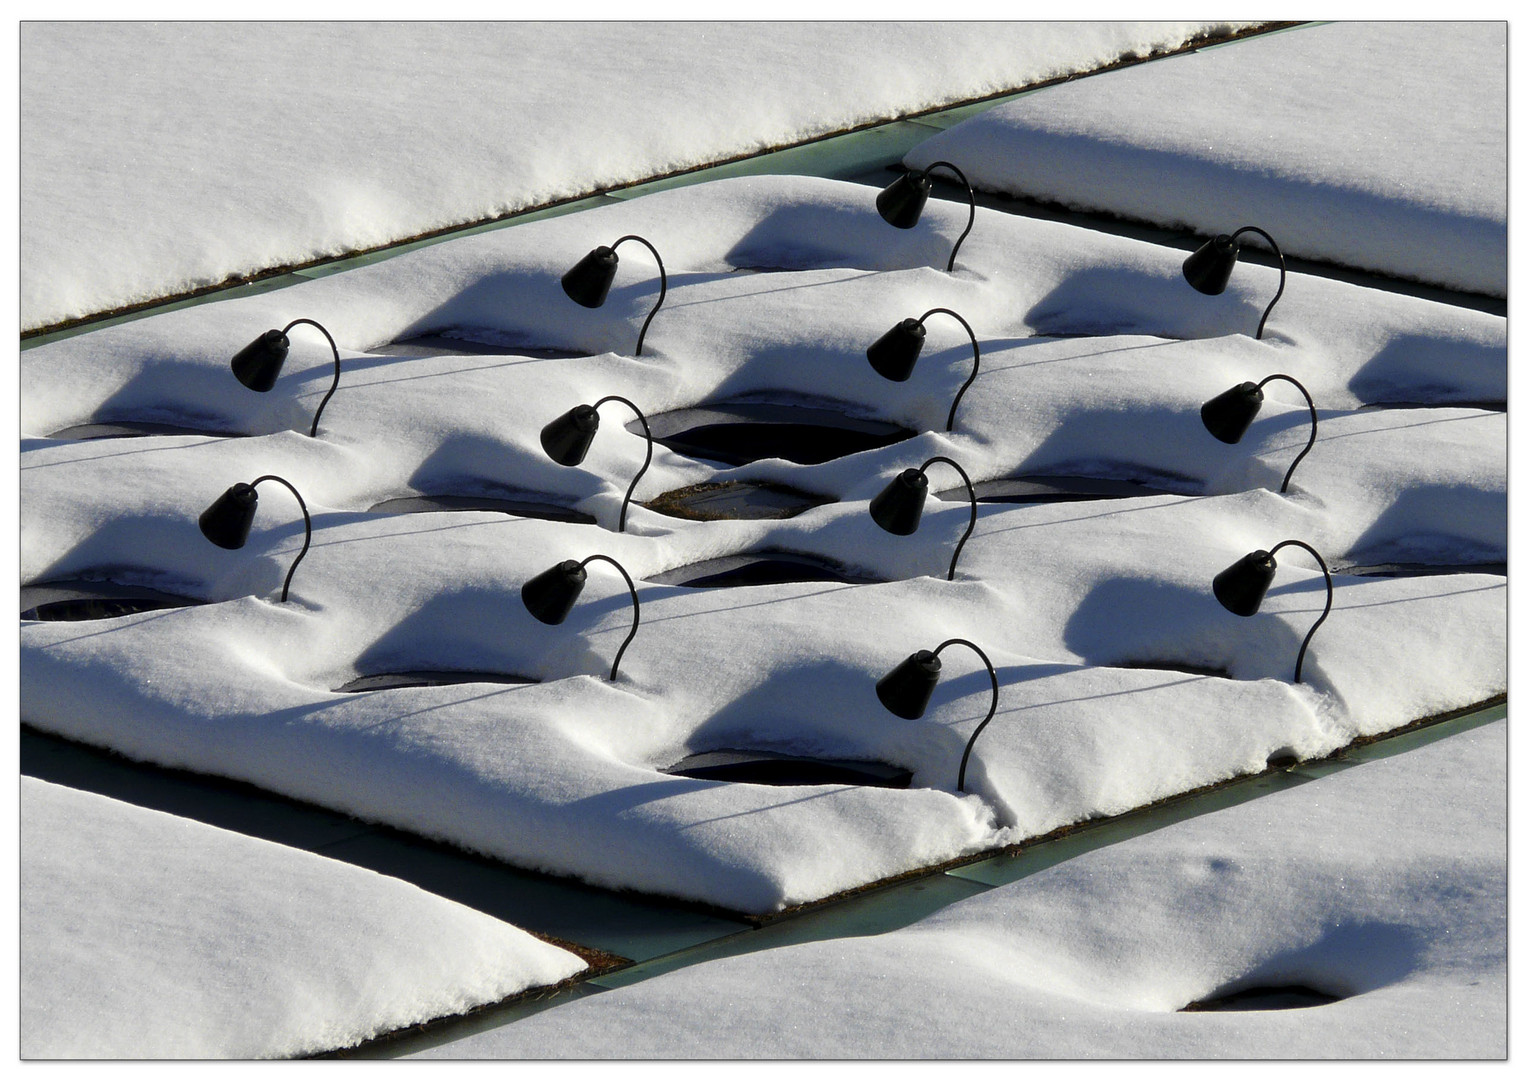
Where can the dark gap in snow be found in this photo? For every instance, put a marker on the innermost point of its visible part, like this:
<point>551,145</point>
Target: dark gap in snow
<point>1046,488</point>
<point>759,568</point>
<point>1441,403</point>
<point>787,770</point>
<point>731,500</point>
<point>736,433</point>
<point>477,341</point>
<point>1260,998</point>
<point>1117,224</point>
<point>81,600</point>
<point>120,429</point>
<point>525,508</point>
<point>1174,665</point>
<point>1416,569</point>
<point>398,680</point>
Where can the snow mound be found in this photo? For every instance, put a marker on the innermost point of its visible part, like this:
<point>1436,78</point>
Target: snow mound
<point>1297,132</point>
<point>1383,886</point>
<point>145,935</point>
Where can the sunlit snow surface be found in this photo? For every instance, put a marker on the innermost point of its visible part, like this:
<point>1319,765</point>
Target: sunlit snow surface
<point>145,935</point>
<point>1078,604</point>
<point>250,145</point>
<point>1383,885</point>
<point>1374,145</point>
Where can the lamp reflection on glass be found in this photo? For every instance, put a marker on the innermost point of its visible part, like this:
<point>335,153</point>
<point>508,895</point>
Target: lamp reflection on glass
<point>567,439</point>
<point>901,202</point>
<point>894,354</point>
<point>551,594</point>
<point>898,508</point>
<point>1228,416</point>
<point>1208,269</point>
<point>227,521</point>
<point>1241,586</point>
<point>588,282</point>
<point>258,364</point>
<point>908,687</point>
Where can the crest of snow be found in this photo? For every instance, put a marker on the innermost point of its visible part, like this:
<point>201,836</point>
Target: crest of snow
<point>1374,145</point>
<point>145,935</point>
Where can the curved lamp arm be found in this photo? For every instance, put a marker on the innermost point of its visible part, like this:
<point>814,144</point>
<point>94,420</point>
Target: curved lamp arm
<point>923,468</point>
<point>1299,664</point>
<point>1282,270</point>
<point>313,434</point>
<point>969,191</point>
<point>989,713</point>
<point>635,604</point>
<point>1314,423</point>
<point>307,522</point>
<point>662,291</point>
<point>626,502</point>
<point>975,346</point>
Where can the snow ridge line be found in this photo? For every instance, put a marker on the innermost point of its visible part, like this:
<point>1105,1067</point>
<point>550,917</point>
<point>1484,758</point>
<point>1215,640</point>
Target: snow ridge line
<point>1083,836</point>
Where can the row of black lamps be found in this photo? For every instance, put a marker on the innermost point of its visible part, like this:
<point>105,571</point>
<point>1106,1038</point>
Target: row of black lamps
<point>893,355</point>
<point>907,689</point>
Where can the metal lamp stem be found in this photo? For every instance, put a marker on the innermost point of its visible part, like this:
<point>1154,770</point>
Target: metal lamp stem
<point>636,605</point>
<point>626,502</point>
<point>970,192</point>
<point>976,348</point>
<point>969,487</point>
<point>1314,423</point>
<point>662,290</point>
<point>989,713</point>
<point>313,433</point>
<point>1282,270</point>
<point>1330,592</point>
<point>307,522</point>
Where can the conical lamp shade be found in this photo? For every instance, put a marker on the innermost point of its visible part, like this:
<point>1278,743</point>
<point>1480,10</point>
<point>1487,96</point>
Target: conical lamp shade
<point>588,283</point>
<point>906,690</point>
<point>899,506</point>
<point>901,202</point>
<point>1208,268</point>
<point>1241,586</point>
<point>226,522</point>
<point>895,353</point>
<point>551,594</point>
<point>258,364</point>
<point>1228,415</point>
<point>566,439</point>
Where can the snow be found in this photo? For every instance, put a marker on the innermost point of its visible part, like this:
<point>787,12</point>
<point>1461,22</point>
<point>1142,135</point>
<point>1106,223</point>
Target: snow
<point>145,935</point>
<point>1069,600</point>
<point>258,145</point>
<point>1384,885</point>
<point>1379,145</point>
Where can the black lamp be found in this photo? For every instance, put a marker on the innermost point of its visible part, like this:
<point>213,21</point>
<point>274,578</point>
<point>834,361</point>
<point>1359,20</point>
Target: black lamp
<point>588,282</point>
<point>894,354</point>
<point>1208,269</point>
<point>1229,415</point>
<point>906,690</point>
<point>1241,586</point>
<point>227,521</point>
<point>901,202</point>
<point>898,509</point>
<point>567,439</point>
<point>551,594</point>
<point>258,364</point>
